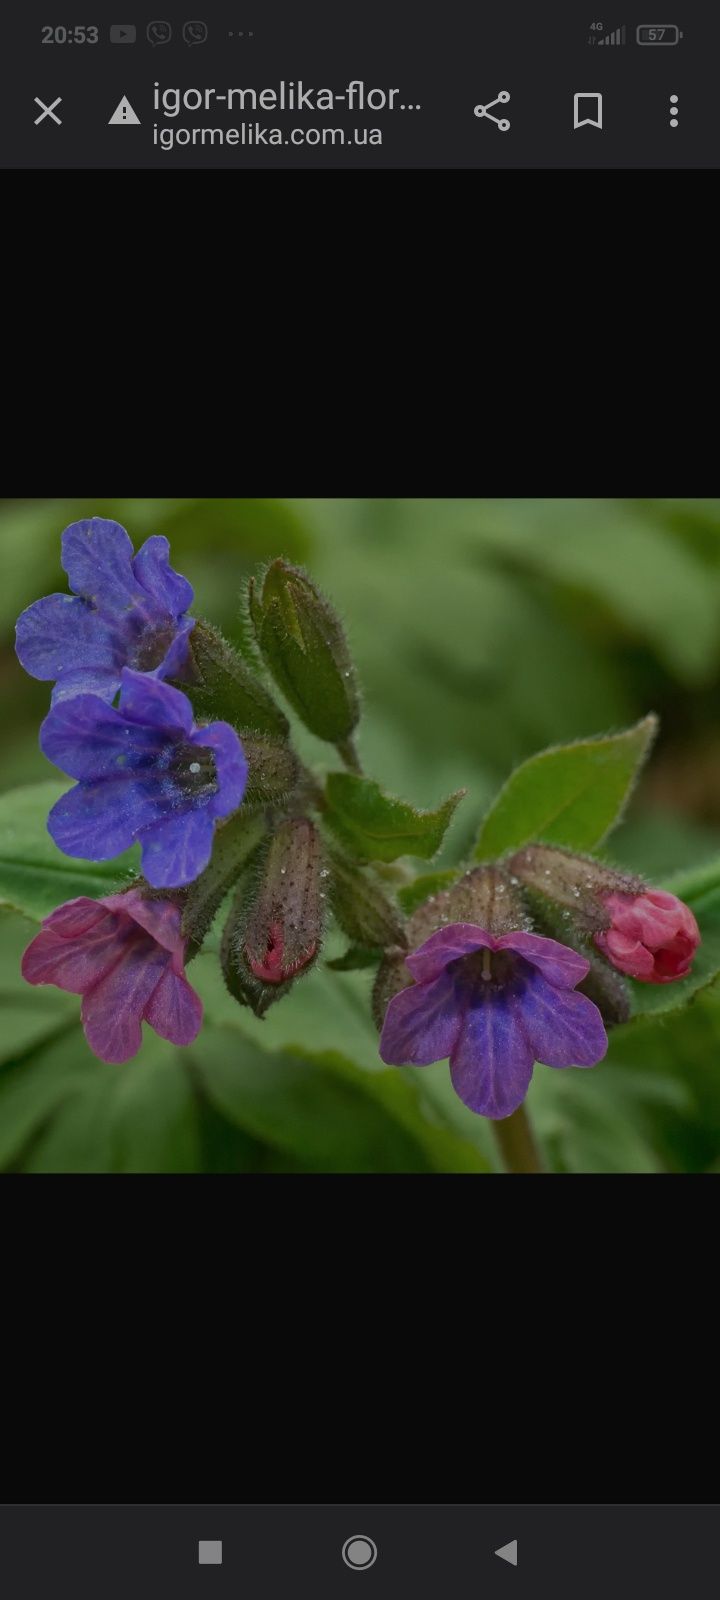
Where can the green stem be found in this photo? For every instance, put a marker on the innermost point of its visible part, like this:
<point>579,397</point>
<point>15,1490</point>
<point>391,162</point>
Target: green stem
<point>348,754</point>
<point>517,1144</point>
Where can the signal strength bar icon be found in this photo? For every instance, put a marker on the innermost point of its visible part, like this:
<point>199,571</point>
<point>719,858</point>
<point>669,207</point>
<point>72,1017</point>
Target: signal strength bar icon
<point>616,37</point>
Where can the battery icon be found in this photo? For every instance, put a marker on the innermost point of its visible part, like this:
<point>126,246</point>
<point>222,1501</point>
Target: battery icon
<point>658,33</point>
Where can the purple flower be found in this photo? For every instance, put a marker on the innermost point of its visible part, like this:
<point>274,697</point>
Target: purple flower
<point>146,774</point>
<point>494,1006</point>
<point>125,955</point>
<point>124,611</point>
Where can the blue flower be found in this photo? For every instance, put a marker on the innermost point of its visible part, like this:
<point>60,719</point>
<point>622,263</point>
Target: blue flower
<point>125,610</point>
<point>146,774</point>
<point>494,1006</point>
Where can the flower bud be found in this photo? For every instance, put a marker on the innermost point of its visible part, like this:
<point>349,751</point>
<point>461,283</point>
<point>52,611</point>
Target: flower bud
<point>233,845</point>
<point>652,936</point>
<point>222,685</point>
<point>576,884</point>
<point>275,928</point>
<point>273,769</point>
<point>303,644</point>
<point>606,988</point>
<point>645,933</point>
<point>362,908</point>
<point>486,897</point>
<point>393,975</point>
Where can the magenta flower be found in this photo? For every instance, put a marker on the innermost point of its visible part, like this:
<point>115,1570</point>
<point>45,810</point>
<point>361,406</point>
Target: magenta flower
<point>653,936</point>
<point>147,774</point>
<point>495,1006</point>
<point>125,955</point>
<point>126,611</point>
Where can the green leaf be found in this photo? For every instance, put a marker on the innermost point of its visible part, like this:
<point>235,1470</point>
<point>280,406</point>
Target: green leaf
<point>570,795</point>
<point>326,1111</point>
<point>377,827</point>
<point>610,551</point>
<point>414,894</point>
<point>35,876</point>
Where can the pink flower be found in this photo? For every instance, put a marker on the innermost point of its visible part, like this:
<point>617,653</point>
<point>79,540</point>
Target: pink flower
<point>653,936</point>
<point>125,955</point>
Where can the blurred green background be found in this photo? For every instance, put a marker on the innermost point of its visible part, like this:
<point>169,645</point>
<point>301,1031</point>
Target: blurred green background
<point>483,631</point>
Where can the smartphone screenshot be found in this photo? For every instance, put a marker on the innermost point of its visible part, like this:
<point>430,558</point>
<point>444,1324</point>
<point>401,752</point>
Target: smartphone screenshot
<point>362,85</point>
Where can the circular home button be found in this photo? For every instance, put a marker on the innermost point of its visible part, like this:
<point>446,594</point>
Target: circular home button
<point>359,1552</point>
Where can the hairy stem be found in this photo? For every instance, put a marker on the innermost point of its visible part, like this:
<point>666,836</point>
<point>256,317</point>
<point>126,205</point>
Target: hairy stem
<point>348,754</point>
<point>517,1144</point>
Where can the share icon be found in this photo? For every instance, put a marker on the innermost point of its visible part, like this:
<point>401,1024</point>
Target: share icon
<point>502,123</point>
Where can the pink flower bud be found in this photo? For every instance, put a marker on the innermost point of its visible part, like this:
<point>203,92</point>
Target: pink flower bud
<point>275,927</point>
<point>652,936</point>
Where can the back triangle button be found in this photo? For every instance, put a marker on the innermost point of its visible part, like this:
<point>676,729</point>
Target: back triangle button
<point>508,1552</point>
<point>124,114</point>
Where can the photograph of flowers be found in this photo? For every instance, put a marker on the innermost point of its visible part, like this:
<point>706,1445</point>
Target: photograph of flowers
<point>360,836</point>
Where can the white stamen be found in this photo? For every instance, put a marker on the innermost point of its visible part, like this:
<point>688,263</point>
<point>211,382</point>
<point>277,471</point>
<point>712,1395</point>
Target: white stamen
<point>194,766</point>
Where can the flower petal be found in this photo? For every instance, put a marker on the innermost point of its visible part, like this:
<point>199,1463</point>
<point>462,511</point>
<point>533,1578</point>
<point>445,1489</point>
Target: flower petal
<point>628,954</point>
<point>97,557</point>
<point>162,919</point>
<point>98,821</point>
<point>89,740</point>
<point>87,680</point>
<point>76,916</point>
<point>563,1029</point>
<point>458,939</point>
<point>152,569</point>
<point>174,1010</point>
<point>556,961</point>
<point>112,1010</point>
<point>230,765</point>
<point>177,849</point>
<point>74,964</point>
<point>175,660</point>
<point>492,1062</point>
<point>144,699</point>
<point>61,632</point>
<point>421,1024</point>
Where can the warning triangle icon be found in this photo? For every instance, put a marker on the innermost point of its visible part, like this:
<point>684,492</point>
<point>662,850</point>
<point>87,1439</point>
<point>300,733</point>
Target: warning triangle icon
<point>124,114</point>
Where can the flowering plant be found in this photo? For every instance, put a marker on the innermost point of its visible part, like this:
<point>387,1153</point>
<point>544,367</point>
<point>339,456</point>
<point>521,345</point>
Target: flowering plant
<point>530,952</point>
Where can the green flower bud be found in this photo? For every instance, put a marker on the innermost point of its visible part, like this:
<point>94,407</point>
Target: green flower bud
<point>577,884</point>
<point>273,769</point>
<point>275,927</point>
<point>233,846</point>
<point>393,975</point>
<point>485,896</point>
<point>606,988</point>
<point>603,985</point>
<point>362,908</point>
<point>303,644</point>
<point>223,685</point>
